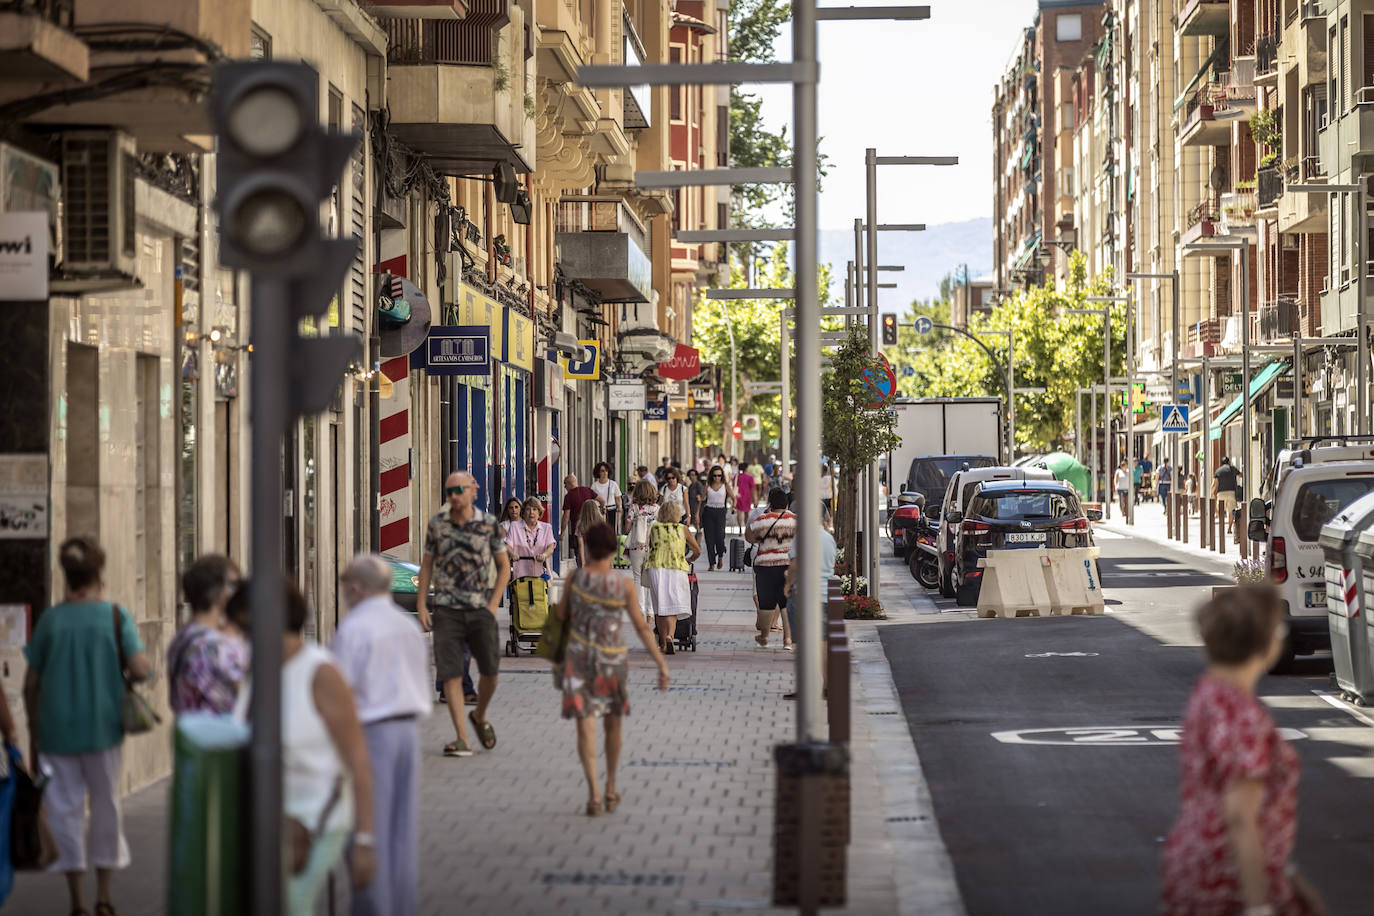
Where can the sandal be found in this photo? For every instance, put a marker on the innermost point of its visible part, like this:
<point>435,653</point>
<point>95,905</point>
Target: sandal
<point>612,801</point>
<point>457,748</point>
<point>593,807</point>
<point>485,733</point>
<point>761,640</point>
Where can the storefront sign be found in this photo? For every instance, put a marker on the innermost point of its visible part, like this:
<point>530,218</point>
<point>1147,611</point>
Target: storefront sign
<point>458,350</point>
<point>656,410</point>
<point>584,365</point>
<point>478,310</point>
<point>519,339</point>
<point>24,256</point>
<point>1283,389</point>
<point>1230,383</point>
<point>684,364</point>
<point>24,495</point>
<point>627,396</point>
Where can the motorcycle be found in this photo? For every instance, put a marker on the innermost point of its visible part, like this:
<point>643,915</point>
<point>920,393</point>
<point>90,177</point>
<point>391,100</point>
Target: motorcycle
<point>924,559</point>
<point>903,522</point>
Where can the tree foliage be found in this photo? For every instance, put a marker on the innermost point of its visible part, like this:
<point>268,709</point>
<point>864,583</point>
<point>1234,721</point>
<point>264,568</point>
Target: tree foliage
<point>1056,351</point>
<point>855,429</point>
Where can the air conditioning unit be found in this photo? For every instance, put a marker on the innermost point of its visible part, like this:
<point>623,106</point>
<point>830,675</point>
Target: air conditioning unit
<point>98,231</point>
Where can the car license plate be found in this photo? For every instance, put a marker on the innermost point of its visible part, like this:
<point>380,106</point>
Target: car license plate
<point>1032,537</point>
<point>1314,597</point>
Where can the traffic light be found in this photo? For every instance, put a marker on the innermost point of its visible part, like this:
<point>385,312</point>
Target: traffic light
<point>276,166</point>
<point>889,330</point>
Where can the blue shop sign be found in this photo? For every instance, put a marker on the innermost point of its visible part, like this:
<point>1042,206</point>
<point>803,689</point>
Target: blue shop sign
<point>656,410</point>
<point>458,350</point>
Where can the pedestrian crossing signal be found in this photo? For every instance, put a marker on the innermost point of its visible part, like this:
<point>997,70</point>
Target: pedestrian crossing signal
<point>889,330</point>
<point>1173,418</point>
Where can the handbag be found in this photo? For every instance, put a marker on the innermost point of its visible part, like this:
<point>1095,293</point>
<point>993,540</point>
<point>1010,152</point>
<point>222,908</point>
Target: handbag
<point>553,638</point>
<point>136,714</point>
<point>749,551</point>
<point>32,846</point>
<point>300,841</point>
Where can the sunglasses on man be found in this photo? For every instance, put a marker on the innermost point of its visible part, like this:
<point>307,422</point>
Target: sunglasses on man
<point>459,489</point>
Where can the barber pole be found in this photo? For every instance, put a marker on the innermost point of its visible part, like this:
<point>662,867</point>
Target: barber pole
<point>393,489</point>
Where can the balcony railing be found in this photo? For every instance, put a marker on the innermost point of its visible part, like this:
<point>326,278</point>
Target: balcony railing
<point>1266,55</point>
<point>1312,167</point>
<point>61,13</point>
<point>1269,183</point>
<point>597,214</point>
<point>1205,212</point>
<point>1238,207</point>
<point>470,41</point>
<point>1204,337</point>
<point>1278,319</point>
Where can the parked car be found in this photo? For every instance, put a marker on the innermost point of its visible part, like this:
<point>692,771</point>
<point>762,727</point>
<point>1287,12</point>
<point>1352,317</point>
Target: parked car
<point>1013,514</point>
<point>1309,486</point>
<point>405,583</point>
<point>960,489</point>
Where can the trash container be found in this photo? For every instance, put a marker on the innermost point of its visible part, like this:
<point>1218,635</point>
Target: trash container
<point>1349,550</point>
<point>209,816</point>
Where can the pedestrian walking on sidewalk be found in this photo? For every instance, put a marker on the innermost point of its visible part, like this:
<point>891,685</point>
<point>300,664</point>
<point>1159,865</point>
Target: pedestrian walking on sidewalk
<point>696,495</point>
<point>673,491</point>
<point>827,570</point>
<point>207,661</point>
<point>511,513</point>
<point>593,675</point>
<point>575,497</point>
<point>590,515</point>
<point>462,545</point>
<point>1225,485</point>
<point>745,487</point>
<point>326,774</point>
<point>1164,483</point>
<point>381,652</point>
<point>1122,480</point>
<point>666,564</point>
<point>608,495</point>
<point>79,655</point>
<point>771,533</point>
<point>719,496</point>
<point>1230,851</point>
<point>639,522</point>
<point>530,542</point>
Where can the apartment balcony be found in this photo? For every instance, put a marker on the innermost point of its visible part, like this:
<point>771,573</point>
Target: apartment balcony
<point>1299,213</point>
<point>1205,17</point>
<point>418,9</point>
<point>164,48</point>
<point>1202,223</point>
<point>1267,60</point>
<point>1277,320</point>
<point>37,44</point>
<point>1203,338</point>
<point>1349,135</point>
<point>457,90</point>
<point>1238,213</point>
<point>1239,84</point>
<point>1208,115</point>
<point>602,244</point>
<point>1269,183</point>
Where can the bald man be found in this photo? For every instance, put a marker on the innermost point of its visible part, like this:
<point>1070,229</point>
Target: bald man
<point>574,498</point>
<point>382,653</point>
<point>465,557</point>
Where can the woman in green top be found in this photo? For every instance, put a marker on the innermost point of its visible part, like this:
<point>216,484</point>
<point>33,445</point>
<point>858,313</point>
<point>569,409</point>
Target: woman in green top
<point>73,692</point>
<point>665,571</point>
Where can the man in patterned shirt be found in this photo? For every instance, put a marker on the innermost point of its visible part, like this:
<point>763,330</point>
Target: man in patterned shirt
<point>464,553</point>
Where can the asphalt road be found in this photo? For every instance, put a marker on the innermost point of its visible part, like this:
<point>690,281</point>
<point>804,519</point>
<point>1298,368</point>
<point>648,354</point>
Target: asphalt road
<point>1049,746</point>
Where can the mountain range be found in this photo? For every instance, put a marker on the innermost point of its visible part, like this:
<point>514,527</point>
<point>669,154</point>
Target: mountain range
<point>928,256</point>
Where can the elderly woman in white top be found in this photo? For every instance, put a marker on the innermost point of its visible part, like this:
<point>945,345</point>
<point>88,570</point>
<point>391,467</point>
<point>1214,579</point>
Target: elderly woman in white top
<point>326,773</point>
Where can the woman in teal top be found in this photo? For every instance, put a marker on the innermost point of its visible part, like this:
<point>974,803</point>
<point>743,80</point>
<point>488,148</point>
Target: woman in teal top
<point>73,693</point>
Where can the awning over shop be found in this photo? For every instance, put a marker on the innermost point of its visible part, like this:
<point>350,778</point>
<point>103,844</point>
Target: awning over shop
<point>1145,427</point>
<point>1258,385</point>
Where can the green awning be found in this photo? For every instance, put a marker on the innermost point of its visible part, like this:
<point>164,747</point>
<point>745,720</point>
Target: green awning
<point>1258,385</point>
<point>1218,53</point>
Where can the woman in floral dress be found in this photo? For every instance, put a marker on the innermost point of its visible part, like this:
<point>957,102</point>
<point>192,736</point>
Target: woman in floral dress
<point>1229,853</point>
<point>593,673</point>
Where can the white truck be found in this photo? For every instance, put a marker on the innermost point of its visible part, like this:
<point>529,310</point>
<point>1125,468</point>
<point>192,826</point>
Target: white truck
<point>941,428</point>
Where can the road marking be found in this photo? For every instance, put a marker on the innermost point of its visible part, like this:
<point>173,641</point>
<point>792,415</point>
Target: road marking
<point>1344,707</point>
<point>1288,701</point>
<point>1106,535</point>
<point>1061,654</point>
<point>1108,736</point>
<point>1359,767</point>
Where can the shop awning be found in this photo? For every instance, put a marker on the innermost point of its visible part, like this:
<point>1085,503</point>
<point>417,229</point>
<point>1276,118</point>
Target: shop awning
<point>1258,385</point>
<point>1146,427</point>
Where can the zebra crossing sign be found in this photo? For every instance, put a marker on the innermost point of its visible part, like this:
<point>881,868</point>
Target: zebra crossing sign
<point>1174,418</point>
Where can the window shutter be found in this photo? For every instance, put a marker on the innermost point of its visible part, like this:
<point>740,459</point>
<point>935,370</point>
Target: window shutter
<point>1367,58</point>
<point>1345,64</point>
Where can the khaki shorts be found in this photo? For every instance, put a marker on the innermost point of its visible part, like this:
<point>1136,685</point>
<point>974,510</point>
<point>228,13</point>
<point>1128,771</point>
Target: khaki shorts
<point>1227,499</point>
<point>476,627</point>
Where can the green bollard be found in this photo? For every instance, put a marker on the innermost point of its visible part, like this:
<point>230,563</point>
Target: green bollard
<point>205,857</point>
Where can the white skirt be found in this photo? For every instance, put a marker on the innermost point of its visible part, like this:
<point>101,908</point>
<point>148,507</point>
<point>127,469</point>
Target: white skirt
<point>669,590</point>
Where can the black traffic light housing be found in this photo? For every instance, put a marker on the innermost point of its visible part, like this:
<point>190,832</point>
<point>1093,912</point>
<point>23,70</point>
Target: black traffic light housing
<point>889,330</point>
<point>276,166</point>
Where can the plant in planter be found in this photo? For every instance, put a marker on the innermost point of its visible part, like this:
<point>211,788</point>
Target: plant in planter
<point>1248,570</point>
<point>862,607</point>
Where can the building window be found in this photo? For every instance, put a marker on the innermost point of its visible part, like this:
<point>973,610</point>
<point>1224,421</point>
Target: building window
<point>1069,27</point>
<point>675,93</point>
<point>260,44</point>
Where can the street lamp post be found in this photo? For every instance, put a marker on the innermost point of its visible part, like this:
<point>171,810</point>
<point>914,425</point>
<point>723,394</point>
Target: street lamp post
<point>1106,314</point>
<point>1174,457</point>
<point>1129,424</point>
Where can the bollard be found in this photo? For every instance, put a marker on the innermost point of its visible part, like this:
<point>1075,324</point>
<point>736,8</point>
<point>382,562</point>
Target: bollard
<point>810,818</point>
<point>837,658</point>
<point>1220,533</point>
<point>208,826</point>
<point>1181,510</point>
<point>1169,519</point>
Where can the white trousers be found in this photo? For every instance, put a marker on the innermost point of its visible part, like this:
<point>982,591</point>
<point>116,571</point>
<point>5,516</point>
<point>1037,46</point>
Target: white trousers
<point>76,780</point>
<point>637,557</point>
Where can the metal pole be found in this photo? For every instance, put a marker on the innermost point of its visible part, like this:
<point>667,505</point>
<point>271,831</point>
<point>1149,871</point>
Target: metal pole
<point>728,434</point>
<point>1174,452</point>
<point>810,711</point>
<point>1011,395</point>
<point>786,373</point>
<point>1092,397</point>
<point>1296,425</point>
<point>271,332</point>
<point>1361,357</point>
<point>1107,406</point>
<point>871,491</point>
<point>1244,379</point>
<point>1130,409</point>
<point>1078,427</point>
<point>1204,488</point>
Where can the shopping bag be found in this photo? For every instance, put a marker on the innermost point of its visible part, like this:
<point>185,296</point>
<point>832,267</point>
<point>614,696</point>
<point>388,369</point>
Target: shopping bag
<point>32,847</point>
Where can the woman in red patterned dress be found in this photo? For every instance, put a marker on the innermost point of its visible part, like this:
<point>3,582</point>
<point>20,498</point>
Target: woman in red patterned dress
<point>1229,852</point>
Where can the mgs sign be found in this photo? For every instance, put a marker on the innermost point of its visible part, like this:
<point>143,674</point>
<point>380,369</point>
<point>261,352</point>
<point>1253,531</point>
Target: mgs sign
<point>684,364</point>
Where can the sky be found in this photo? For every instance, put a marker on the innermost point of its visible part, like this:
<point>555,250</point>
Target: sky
<point>919,88</point>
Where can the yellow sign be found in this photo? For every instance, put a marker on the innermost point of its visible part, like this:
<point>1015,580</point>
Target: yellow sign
<point>484,311</point>
<point>586,365</point>
<point>519,340</point>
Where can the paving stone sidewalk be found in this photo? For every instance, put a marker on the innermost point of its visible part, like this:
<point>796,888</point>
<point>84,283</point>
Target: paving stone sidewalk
<point>504,832</point>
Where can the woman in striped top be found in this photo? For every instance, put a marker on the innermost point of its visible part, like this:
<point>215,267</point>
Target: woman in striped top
<point>772,533</point>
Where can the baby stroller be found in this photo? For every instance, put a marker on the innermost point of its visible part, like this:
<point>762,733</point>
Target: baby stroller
<point>685,631</point>
<point>529,609</point>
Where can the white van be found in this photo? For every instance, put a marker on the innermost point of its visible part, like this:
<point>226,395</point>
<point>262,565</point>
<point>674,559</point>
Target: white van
<point>961,487</point>
<point>1306,496</point>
